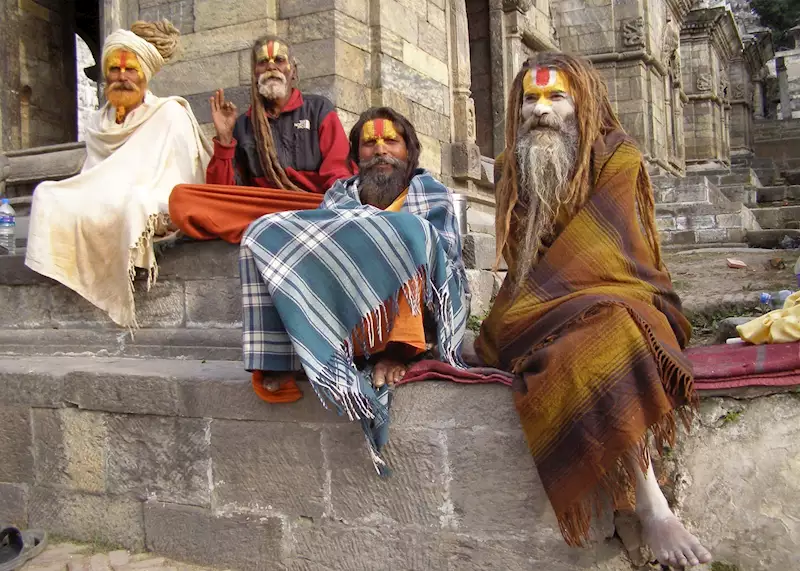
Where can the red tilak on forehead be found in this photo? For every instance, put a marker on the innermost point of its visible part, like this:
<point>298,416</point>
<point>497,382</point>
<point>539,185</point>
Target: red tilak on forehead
<point>379,128</point>
<point>123,59</point>
<point>271,50</point>
<point>542,76</point>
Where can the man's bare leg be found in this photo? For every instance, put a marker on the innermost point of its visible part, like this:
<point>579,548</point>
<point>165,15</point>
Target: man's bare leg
<point>666,537</point>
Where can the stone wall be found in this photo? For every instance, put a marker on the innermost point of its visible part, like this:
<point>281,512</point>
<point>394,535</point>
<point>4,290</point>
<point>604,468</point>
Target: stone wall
<point>38,100</point>
<point>778,140</point>
<point>180,457</point>
<point>87,88</point>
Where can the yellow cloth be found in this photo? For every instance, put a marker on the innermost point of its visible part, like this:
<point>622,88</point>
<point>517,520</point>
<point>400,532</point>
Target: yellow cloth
<point>398,202</point>
<point>778,326</point>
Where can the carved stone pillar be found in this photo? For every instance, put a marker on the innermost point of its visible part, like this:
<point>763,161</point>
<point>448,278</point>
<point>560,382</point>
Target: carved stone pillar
<point>464,152</point>
<point>783,86</point>
<point>758,99</point>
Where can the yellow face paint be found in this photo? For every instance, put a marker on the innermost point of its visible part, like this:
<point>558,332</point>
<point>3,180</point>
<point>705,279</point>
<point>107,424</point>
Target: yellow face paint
<point>273,52</point>
<point>379,131</point>
<point>543,82</point>
<point>124,60</point>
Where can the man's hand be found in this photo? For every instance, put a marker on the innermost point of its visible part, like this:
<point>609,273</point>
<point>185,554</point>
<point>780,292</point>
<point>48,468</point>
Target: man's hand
<point>223,113</point>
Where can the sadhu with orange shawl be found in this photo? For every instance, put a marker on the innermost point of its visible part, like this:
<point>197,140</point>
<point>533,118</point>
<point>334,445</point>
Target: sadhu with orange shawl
<point>587,316</point>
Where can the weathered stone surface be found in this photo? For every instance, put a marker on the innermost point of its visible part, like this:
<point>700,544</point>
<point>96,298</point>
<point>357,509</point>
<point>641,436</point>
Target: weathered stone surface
<point>494,484</point>
<point>433,40</point>
<point>430,157</point>
<point>214,303</point>
<point>421,61</point>
<point>21,388</point>
<point>71,310</point>
<point>70,449</point>
<point>260,467</point>
<point>121,389</point>
<point>292,9</point>
<point>342,92</point>
<point>15,444</point>
<point>179,12</point>
<point>451,405</point>
<point>165,459</point>
<point>239,96</point>
<point>436,17</point>
<point>415,494</point>
<point>316,58</point>
<point>198,76</point>
<point>738,447</point>
<point>14,504</point>
<point>479,252</point>
<point>209,14</point>
<point>87,517</point>
<point>192,534</point>
<point>201,260</point>
<point>345,548</point>
<point>162,306</point>
<point>430,123</point>
<point>481,285</point>
<point>394,17</point>
<point>31,306</point>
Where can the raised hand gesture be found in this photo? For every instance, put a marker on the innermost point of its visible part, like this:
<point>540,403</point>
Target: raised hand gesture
<point>223,113</point>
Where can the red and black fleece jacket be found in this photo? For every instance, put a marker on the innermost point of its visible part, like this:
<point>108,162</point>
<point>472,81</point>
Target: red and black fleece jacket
<point>310,141</point>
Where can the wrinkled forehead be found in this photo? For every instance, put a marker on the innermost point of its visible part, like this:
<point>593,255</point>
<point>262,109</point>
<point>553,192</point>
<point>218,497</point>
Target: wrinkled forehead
<point>544,80</point>
<point>379,129</point>
<point>124,60</point>
<point>271,50</point>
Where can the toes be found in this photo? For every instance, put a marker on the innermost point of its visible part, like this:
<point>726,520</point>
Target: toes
<point>378,379</point>
<point>681,559</point>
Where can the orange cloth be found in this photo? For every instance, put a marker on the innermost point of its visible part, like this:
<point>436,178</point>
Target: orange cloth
<point>407,336</point>
<point>208,211</point>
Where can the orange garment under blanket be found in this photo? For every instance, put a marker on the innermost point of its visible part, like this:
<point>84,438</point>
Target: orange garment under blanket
<point>208,211</point>
<point>407,337</point>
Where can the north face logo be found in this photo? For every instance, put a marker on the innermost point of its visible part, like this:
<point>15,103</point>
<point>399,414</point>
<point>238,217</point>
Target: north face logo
<point>304,124</point>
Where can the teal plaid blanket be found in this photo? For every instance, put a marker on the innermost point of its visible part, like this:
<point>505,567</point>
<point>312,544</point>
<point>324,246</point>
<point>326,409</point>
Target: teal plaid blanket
<point>310,278</point>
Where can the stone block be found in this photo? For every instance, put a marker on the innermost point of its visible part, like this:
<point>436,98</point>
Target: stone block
<point>393,99</point>
<point>161,458</point>
<point>341,92</point>
<point>438,3</point>
<point>465,161</point>
<point>161,306</point>
<point>125,389</point>
<point>261,467</point>
<point>430,156</point>
<point>214,303</point>
<point>712,235</point>
<point>71,310</point>
<point>14,504</point>
<point>436,17</point>
<point>223,38</point>
<point>31,306</point>
<point>439,405</point>
<point>15,444</point>
<point>481,285</point>
<point>495,486</point>
<point>665,223</point>
<point>311,27</point>
<point>87,517</point>
<point>210,14</point>
<point>353,30</point>
<point>194,535</point>
<point>239,96</point>
<point>352,63</point>
<point>179,12</point>
<point>414,495</point>
<point>316,58</point>
<point>198,76</point>
<point>394,16</point>
<point>30,389</point>
<point>478,252</point>
<point>419,60</point>
<point>348,119</point>
<point>345,548</point>
<point>433,40</point>
<point>732,220</point>
<point>198,260</point>
<point>389,43</point>
<point>70,449</point>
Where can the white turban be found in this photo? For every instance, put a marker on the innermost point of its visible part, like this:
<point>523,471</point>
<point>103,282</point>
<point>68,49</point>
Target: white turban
<point>147,53</point>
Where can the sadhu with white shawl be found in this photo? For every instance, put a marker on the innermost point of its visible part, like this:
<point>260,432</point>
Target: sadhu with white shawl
<point>90,231</point>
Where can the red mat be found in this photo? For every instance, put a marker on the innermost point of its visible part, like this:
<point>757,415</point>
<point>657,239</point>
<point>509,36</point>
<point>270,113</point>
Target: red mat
<point>715,367</point>
<point>736,366</point>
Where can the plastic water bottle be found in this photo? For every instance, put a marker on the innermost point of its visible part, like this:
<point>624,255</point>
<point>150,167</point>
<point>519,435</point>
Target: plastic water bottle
<point>8,222</point>
<point>774,301</point>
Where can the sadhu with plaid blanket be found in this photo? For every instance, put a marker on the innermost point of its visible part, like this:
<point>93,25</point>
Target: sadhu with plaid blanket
<point>587,315</point>
<point>352,282</point>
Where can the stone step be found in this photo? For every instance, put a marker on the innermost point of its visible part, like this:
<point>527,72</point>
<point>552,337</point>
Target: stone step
<point>770,217</point>
<point>769,194</point>
<point>694,189</point>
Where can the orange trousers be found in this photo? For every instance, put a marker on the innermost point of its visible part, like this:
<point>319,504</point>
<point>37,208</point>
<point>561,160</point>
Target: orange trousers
<point>407,338</point>
<point>208,211</point>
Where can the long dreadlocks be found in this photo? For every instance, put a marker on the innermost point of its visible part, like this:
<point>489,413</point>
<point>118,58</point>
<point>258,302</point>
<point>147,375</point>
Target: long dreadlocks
<point>261,129</point>
<point>595,118</point>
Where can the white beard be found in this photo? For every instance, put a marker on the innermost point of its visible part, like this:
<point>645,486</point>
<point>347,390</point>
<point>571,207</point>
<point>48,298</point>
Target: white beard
<point>271,88</point>
<point>545,159</point>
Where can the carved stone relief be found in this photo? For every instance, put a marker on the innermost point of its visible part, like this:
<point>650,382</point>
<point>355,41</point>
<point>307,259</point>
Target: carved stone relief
<point>738,91</point>
<point>704,82</point>
<point>519,5</point>
<point>633,32</point>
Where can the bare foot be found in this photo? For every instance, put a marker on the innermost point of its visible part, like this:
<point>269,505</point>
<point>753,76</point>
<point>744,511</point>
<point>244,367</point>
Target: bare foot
<point>387,371</point>
<point>670,542</point>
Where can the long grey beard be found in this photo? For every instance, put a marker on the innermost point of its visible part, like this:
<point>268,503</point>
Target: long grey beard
<point>546,158</point>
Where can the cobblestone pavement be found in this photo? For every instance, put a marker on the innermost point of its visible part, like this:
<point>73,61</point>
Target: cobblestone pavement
<point>75,557</point>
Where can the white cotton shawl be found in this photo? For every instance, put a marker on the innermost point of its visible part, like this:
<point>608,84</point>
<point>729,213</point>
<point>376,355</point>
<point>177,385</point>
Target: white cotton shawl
<point>89,231</point>
<point>147,53</point>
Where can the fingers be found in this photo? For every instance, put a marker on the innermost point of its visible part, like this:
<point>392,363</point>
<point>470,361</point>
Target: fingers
<point>378,377</point>
<point>213,102</point>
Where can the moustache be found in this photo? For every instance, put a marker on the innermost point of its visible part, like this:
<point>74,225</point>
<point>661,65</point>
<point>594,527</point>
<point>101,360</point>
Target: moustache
<point>123,86</point>
<point>548,121</point>
<point>376,161</point>
<point>268,75</point>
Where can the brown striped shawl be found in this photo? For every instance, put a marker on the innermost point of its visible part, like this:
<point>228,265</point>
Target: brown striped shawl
<point>597,333</point>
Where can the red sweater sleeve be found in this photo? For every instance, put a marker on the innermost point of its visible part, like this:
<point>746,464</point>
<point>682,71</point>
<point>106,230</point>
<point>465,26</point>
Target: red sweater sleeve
<point>220,168</point>
<point>335,148</point>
